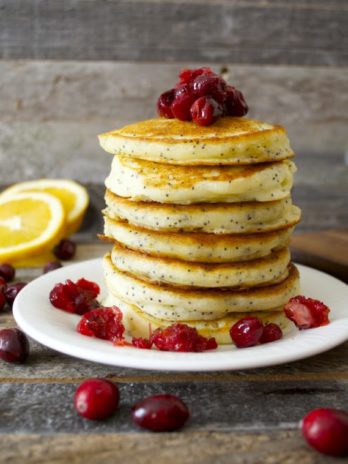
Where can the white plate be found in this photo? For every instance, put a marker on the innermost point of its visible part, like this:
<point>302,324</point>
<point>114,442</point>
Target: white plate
<point>56,329</point>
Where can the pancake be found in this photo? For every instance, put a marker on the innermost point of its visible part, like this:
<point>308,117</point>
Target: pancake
<point>264,271</point>
<point>163,183</point>
<point>228,141</point>
<point>140,324</point>
<point>175,303</point>
<point>218,218</point>
<point>196,247</point>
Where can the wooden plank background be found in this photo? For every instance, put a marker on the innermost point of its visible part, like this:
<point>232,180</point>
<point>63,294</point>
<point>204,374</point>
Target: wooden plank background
<point>308,32</point>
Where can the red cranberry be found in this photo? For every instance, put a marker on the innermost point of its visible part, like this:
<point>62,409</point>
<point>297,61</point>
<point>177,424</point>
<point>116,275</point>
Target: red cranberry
<point>164,104</point>
<point>143,343</point>
<point>2,293</point>
<point>247,332</point>
<point>234,102</point>
<point>326,430</point>
<point>307,313</point>
<point>12,291</point>
<point>209,84</point>
<point>187,76</point>
<point>7,272</point>
<point>2,300</point>
<point>65,249</point>
<point>205,111</point>
<point>182,103</point>
<point>78,298</point>
<point>52,266</point>
<point>160,413</point>
<point>271,333</point>
<point>96,399</point>
<point>14,345</point>
<point>104,323</point>
<point>181,337</point>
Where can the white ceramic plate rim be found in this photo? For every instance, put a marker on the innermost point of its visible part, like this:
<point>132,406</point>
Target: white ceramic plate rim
<point>56,329</point>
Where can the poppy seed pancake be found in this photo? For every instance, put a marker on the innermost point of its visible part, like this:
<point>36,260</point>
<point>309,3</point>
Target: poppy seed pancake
<point>213,218</point>
<point>245,274</point>
<point>229,141</point>
<point>141,324</point>
<point>182,304</point>
<point>196,246</point>
<point>142,180</point>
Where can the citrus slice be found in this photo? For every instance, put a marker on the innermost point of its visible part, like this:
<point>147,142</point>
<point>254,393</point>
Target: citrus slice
<point>73,196</point>
<point>30,223</point>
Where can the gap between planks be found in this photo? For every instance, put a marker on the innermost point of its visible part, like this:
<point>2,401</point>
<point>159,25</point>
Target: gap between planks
<point>330,376</point>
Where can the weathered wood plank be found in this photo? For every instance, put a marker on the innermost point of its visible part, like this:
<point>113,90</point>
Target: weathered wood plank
<point>54,111</point>
<point>215,406</point>
<point>286,447</point>
<point>240,32</point>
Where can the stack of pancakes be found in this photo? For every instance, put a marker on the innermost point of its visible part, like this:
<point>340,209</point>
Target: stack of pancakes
<point>200,219</point>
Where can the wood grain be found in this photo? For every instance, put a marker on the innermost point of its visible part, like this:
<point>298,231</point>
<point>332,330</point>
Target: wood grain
<point>327,250</point>
<point>285,447</point>
<point>238,32</point>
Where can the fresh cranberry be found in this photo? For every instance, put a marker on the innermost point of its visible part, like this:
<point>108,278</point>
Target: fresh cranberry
<point>234,102</point>
<point>187,76</point>
<point>247,332</point>
<point>143,343</point>
<point>209,84</point>
<point>65,249</point>
<point>2,300</point>
<point>160,413</point>
<point>182,103</point>
<point>7,272</point>
<point>3,285</point>
<point>271,333</point>
<point>307,313</point>
<point>52,266</point>
<point>205,111</point>
<point>181,337</point>
<point>14,345</point>
<point>326,430</point>
<point>164,104</point>
<point>78,298</point>
<point>12,291</point>
<point>104,323</point>
<point>96,399</point>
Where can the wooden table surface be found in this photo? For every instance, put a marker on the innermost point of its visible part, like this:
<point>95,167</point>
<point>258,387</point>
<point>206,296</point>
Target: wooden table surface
<point>237,417</point>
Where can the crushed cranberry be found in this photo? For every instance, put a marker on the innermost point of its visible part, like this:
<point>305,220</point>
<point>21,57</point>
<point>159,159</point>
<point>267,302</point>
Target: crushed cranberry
<point>234,102</point>
<point>7,272</point>
<point>65,249</point>
<point>182,103</point>
<point>205,111</point>
<point>209,84</point>
<point>104,323</point>
<point>247,332</point>
<point>307,313</point>
<point>164,104</point>
<point>78,298</point>
<point>14,345</point>
<point>12,291</point>
<point>181,337</point>
<point>194,84</point>
<point>187,76</point>
<point>326,430</point>
<point>143,343</point>
<point>52,266</point>
<point>271,333</point>
<point>96,399</point>
<point>160,413</point>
